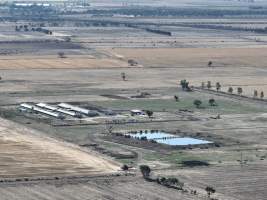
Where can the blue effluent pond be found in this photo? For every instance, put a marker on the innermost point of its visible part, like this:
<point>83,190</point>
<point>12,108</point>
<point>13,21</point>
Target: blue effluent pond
<point>166,138</point>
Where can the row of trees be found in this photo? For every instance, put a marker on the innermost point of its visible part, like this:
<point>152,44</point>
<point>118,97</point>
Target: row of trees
<point>209,85</point>
<point>240,91</point>
<point>255,95</point>
<point>175,11</point>
<point>169,182</point>
<point>230,90</point>
<point>27,28</point>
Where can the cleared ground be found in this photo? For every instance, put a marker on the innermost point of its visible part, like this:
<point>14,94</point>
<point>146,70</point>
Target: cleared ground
<point>244,67</point>
<point>40,62</point>
<point>119,188</point>
<point>26,153</point>
<point>197,57</point>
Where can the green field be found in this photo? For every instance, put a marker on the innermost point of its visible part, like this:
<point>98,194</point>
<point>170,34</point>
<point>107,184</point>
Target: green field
<point>224,106</point>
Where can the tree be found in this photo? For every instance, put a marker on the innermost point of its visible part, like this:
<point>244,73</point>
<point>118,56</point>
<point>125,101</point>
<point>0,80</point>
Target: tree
<point>255,95</point>
<point>132,62</point>
<point>202,85</point>
<point>176,98</point>
<point>61,54</point>
<point>185,85</point>
<point>218,86</point>
<point>26,28</point>
<point>67,39</point>
<point>262,94</point>
<point>170,182</point>
<point>123,76</point>
<point>110,129</point>
<point>145,170</point>
<point>173,181</point>
<point>197,103</point>
<point>230,90</point>
<point>210,190</point>
<point>212,102</point>
<point>149,113</point>
<point>239,91</point>
<point>125,167</point>
<point>210,63</point>
<point>209,85</point>
<point>17,28</point>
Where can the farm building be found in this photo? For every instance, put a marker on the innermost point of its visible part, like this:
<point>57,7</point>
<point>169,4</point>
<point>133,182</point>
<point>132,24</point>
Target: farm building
<point>137,112</point>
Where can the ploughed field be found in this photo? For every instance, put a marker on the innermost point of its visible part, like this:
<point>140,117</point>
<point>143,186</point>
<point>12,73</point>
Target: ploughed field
<point>27,153</point>
<point>106,188</point>
<point>53,62</point>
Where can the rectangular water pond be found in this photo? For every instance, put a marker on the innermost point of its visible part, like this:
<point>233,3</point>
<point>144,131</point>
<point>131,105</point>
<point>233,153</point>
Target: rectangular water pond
<point>166,138</point>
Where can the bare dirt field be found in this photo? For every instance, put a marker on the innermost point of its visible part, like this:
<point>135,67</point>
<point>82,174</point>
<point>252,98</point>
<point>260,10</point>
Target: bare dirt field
<point>39,62</point>
<point>196,57</point>
<point>237,182</point>
<point>121,188</point>
<point>231,66</point>
<point>27,153</point>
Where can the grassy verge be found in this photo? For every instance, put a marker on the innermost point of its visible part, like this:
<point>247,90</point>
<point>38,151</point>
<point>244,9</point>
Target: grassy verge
<point>224,106</point>
<point>175,157</point>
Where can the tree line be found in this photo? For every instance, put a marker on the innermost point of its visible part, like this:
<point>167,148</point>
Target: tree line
<point>239,90</point>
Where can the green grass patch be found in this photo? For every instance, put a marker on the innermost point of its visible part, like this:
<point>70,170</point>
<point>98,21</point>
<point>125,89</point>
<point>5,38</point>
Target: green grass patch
<point>174,157</point>
<point>224,106</point>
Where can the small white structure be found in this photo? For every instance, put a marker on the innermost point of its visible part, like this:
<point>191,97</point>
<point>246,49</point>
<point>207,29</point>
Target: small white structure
<point>28,106</point>
<point>137,112</point>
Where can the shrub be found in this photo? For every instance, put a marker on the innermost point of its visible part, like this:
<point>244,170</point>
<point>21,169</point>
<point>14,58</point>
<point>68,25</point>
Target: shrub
<point>125,167</point>
<point>145,170</point>
<point>212,102</point>
<point>197,103</point>
<point>210,190</point>
<point>194,163</point>
<point>149,113</point>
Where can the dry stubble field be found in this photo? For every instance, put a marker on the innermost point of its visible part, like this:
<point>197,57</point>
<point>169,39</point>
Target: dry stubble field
<point>27,153</point>
<point>245,67</point>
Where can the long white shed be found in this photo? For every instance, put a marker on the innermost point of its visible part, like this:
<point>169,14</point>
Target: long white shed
<point>54,108</point>
<point>40,110</point>
<point>75,108</point>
